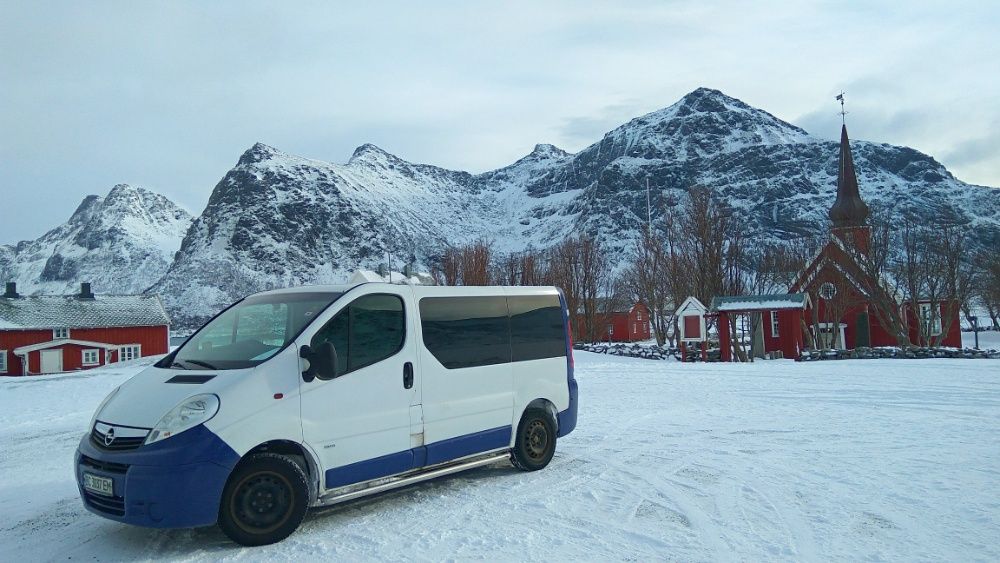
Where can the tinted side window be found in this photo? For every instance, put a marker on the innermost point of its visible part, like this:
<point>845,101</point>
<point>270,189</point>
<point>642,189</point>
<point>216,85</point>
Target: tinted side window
<point>464,332</point>
<point>369,330</point>
<point>536,327</point>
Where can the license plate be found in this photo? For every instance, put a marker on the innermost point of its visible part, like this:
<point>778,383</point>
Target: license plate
<point>99,485</point>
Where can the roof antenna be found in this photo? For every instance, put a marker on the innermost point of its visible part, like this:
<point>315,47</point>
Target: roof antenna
<point>840,98</point>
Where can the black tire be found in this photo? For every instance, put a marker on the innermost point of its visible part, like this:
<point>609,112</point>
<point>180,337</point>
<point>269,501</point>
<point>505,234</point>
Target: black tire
<point>264,500</point>
<point>536,440</point>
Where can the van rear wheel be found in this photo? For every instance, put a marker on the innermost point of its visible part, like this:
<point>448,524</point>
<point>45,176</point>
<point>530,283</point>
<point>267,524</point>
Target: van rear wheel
<point>264,500</point>
<point>536,441</point>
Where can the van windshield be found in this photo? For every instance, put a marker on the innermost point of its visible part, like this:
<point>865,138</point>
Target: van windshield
<point>251,331</point>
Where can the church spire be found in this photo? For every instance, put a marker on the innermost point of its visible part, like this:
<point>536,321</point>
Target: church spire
<point>849,210</point>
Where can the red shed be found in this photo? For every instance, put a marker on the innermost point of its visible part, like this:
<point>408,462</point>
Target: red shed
<point>779,318</point>
<point>52,334</point>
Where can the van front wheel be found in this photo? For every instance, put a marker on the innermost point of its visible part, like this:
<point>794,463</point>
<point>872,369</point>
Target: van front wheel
<point>536,441</point>
<point>264,500</point>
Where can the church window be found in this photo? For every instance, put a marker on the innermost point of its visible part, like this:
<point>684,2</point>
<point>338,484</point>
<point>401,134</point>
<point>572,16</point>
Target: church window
<point>827,291</point>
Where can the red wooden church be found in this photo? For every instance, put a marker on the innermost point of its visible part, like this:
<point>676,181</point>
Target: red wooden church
<point>852,309</point>
<point>834,301</point>
<point>52,334</point>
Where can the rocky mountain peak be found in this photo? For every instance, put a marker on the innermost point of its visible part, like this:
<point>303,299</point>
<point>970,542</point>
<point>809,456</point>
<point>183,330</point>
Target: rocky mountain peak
<point>259,152</point>
<point>86,209</point>
<point>122,242</point>
<point>708,100</point>
<point>545,150</point>
<point>370,153</point>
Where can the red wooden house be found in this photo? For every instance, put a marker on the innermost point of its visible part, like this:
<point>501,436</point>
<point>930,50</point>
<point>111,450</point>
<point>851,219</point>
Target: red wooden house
<point>629,325</point>
<point>52,334</point>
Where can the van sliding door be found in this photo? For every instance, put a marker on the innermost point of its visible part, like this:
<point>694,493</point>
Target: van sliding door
<point>467,378</point>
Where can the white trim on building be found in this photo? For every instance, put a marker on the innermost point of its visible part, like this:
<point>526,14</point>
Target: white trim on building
<point>90,357</point>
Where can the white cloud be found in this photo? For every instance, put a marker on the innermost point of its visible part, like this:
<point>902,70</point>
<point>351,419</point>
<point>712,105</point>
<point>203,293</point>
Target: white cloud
<point>168,95</point>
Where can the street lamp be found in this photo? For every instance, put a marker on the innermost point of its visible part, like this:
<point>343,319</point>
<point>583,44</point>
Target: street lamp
<point>975,329</point>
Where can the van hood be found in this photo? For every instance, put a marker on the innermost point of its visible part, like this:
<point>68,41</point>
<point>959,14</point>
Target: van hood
<point>143,400</point>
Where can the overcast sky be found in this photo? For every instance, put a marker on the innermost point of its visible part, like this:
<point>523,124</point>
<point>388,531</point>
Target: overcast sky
<point>168,95</point>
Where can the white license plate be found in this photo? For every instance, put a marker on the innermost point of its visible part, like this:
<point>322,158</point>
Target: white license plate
<point>99,485</point>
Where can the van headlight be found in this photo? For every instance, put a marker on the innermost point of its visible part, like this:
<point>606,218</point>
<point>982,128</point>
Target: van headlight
<point>185,416</point>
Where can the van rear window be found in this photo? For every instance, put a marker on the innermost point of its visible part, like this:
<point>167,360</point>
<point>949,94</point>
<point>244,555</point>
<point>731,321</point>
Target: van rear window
<point>464,332</point>
<point>536,327</point>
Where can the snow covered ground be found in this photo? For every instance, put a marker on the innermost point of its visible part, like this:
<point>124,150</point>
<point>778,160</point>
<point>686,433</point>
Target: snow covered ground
<point>989,339</point>
<point>851,460</point>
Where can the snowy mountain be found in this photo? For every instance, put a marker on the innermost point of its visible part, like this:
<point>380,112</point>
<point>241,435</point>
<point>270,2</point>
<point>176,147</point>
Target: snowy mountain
<point>277,219</point>
<point>782,179</point>
<point>122,243</point>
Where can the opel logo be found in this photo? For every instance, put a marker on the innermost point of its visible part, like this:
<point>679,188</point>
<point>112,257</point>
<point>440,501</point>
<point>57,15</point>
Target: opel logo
<point>109,437</point>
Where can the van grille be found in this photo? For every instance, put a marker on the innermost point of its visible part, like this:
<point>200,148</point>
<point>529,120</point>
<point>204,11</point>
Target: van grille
<point>119,443</point>
<point>108,466</point>
<point>110,505</point>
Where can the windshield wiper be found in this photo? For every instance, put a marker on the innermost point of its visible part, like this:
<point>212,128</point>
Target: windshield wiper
<point>177,365</point>
<point>200,363</point>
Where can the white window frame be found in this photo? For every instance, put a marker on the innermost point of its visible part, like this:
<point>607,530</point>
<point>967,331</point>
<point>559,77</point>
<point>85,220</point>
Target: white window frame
<point>122,348</point>
<point>935,323</point>
<point>827,291</point>
<point>57,332</point>
<point>3,361</point>
<point>774,324</point>
<point>97,356</point>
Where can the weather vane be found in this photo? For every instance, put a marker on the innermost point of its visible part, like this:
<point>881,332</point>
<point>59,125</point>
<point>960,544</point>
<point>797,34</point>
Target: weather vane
<point>840,98</point>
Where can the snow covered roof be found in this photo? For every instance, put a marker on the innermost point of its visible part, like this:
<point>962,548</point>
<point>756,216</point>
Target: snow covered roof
<point>691,304</point>
<point>771,302</point>
<point>57,311</point>
<point>62,342</point>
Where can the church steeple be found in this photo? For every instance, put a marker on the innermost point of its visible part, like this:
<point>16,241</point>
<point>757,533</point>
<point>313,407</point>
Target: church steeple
<point>849,210</point>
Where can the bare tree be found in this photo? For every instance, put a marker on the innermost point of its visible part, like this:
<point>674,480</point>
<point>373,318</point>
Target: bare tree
<point>956,272</point>
<point>475,263</point>
<point>647,280</point>
<point>580,267</point>
<point>522,268</point>
<point>448,269</point>
<point>989,285</point>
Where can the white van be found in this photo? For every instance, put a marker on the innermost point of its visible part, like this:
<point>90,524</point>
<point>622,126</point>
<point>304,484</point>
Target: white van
<point>316,395</point>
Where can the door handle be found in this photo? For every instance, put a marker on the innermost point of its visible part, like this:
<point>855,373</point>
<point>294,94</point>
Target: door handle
<point>408,375</point>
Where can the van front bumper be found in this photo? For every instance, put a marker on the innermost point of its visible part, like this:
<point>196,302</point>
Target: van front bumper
<point>174,483</point>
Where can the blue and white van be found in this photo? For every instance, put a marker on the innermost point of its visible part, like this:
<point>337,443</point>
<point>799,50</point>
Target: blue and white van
<point>316,395</point>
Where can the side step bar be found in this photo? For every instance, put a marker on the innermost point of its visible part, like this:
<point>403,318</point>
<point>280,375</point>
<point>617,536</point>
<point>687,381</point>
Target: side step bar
<point>351,492</point>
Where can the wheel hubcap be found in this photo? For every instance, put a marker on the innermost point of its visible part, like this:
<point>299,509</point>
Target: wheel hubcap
<point>536,439</point>
<point>262,502</point>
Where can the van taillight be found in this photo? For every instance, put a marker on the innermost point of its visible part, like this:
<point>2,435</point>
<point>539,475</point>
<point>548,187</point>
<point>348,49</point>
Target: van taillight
<point>569,348</point>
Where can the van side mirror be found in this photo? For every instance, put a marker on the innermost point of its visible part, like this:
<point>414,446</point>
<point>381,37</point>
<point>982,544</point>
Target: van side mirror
<point>323,362</point>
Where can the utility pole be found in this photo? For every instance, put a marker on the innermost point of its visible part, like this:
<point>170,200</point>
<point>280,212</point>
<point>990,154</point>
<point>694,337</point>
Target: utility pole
<point>649,210</point>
